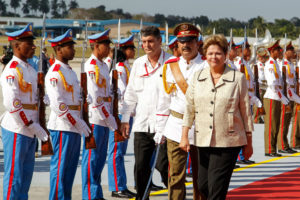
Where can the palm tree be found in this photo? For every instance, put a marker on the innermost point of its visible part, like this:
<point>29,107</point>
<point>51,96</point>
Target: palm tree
<point>3,6</point>
<point>15,4</point>
<point>73,4</point>
<point>44,6</point>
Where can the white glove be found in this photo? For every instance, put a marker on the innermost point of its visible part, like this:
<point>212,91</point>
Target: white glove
<point>46,99</point>
<point>107,117</point>
<point>89,99</point>
<point>37,130</point>
<point>292,96</point>
<point>256,101</point>
<point>283,99</point>
<point>111,123</point>
<point>159,138</point>
<point>82,127</point>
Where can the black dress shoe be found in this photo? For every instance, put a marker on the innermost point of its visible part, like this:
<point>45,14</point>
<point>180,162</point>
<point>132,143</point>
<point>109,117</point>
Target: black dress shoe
<point>132,193</point>
<point>122,194</point>
<point>249,162</point>
<point>287,151</point>
<point>236,166</point>
<point>245,162</point>
<point>273,154</point>
<point>154,187</point>
<point>190,175</point>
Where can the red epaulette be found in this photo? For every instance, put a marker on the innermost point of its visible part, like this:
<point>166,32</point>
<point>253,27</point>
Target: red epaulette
<point>203,57</point>
<point>285,63</point>
<point>56,68</point>
<point>172,60</point>
<point>121,64</point>
<point>271,62</point>
<point>240,61</point>
<point>13,64</point>
<point>93,62</point>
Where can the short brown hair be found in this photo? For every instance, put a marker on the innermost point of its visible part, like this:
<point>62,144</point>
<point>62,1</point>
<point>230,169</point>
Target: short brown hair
<point>151,31</point>
<point>219,40</point>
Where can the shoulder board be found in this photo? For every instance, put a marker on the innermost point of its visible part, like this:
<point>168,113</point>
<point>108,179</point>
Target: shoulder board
<point>172,60</point>
<point>13,64</point>
<point>240,62</point>
<point>121,64</point>
<point>271,62</point>
<point>56,68</point>
<point>93,62</point>
<point>285,63</point>
<point>203,57</point>
<point>260,64</point>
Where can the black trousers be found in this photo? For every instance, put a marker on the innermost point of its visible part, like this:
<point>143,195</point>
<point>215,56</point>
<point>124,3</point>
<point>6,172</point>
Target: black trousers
<point>215,169</point>
<point>144,147</point>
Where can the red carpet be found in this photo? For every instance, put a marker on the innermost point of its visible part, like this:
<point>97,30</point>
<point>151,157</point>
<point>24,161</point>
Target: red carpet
<point>283,186</point>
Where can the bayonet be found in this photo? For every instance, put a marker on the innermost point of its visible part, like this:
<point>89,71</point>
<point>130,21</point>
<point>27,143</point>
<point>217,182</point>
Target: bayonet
<point>140,37</point>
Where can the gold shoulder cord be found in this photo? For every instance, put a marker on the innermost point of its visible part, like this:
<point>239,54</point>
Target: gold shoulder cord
<point>68,88</point>
<point>275,71</point>
<point>103,84</point>
<point>127,73</point>
<point>289,71</point>
<point>23,85</point>
<point>168,89</point>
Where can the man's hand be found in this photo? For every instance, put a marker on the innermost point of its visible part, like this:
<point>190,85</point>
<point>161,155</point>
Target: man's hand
<point>125,130</point>
<point>248,149</point>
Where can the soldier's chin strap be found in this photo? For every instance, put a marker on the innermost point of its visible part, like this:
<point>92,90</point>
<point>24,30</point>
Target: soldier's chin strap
<point>146,193</point>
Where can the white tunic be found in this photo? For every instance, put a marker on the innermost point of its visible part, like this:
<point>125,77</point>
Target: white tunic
<point>175,101</point>
<point>13,97</point>
<point>60,99</point>
<point>96,92</point>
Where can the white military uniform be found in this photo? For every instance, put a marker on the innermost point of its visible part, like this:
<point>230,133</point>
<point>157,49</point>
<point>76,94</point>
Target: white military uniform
<point>250,82</point>
<point>99,89</point>
<point>291,81</point>
<point>261,75</point>
<point>14,96</point>
<point>166,123</point>
<point>108,61</point>
<point>274,81</point>
<point>59,77</point>
<point>142,94</point>
<point>231,64</point>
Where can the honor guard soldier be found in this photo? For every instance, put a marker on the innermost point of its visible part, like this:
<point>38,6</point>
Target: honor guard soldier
<point>272,100</point>
<point>19,125</point>
<point>65,125</point>
<point>173,46</point>
<point>117,180</point>
<point>295,135</point>
<point>263,56</point>
<point>282,140</point>
<point>232,54</point>
<point>100,117</point>
<point>177,73</point>
<point>142,94</point>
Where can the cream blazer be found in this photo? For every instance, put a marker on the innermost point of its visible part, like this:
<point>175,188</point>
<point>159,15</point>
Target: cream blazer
<point>221,112</point>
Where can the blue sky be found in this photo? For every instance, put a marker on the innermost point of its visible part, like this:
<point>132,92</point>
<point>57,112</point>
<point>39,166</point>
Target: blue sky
<point>214,9</point>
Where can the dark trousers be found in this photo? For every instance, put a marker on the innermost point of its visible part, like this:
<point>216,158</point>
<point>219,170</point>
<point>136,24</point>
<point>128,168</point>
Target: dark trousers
<point>215,169</point>
<point>144,147</point>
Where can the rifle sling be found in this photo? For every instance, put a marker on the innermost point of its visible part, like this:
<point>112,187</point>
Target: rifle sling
<point>181,82</point>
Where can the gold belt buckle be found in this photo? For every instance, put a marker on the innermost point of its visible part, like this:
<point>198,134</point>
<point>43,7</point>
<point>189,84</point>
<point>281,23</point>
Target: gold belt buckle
<point>176,114</point>
<point>74,107</point>
<point>30,106</point>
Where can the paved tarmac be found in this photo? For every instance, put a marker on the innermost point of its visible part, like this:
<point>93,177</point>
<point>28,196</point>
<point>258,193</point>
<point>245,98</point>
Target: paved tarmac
<point>269,167</point>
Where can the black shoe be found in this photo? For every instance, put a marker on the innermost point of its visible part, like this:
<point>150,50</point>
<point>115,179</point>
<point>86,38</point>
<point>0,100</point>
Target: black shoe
<point>273,154</point>
<point>249,162</point>
<point>132,193</point>
<point>122,194</point>
<point>245,162</point>
<point>287,151</point>
<point>155,187</point>
<point>236,166</point>
<point>297,148</point>
<point>190,175</point>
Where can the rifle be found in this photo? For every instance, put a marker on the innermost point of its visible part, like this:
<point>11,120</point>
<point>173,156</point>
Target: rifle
<point>288,107</point>
<point>140,37</point>
<point>242,69</point>
<point>261,111</point>
<point>167,36</point>
<point>46,146</point>
<point>90,142</point>
<point>118,137</point>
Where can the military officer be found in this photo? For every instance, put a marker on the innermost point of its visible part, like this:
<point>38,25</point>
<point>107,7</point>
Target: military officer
<point>65,125</point>
<point>177,73</point>
<point>285,117</point>
<point>19,125</point>
<point>272,100</point>
<point>100,116</point>
<point>232,54</point>
<point>142,94</point>
<point>117,180</point>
